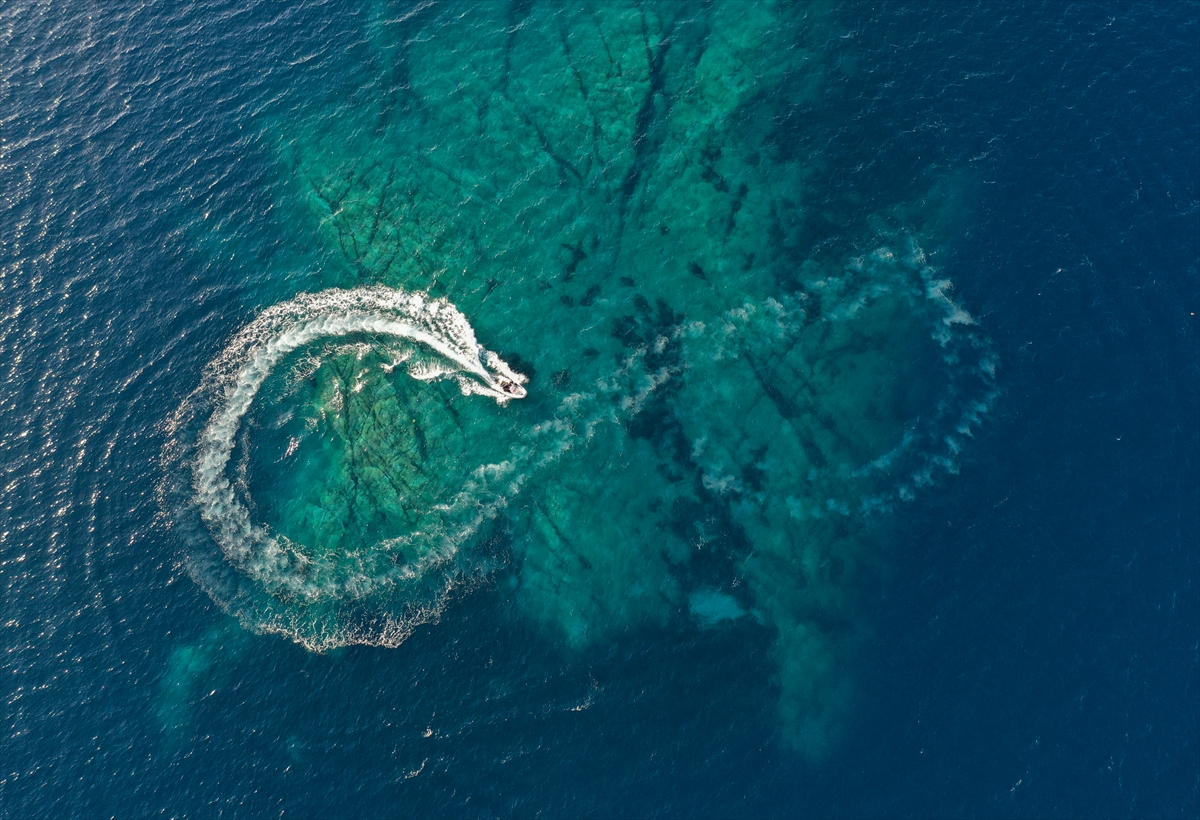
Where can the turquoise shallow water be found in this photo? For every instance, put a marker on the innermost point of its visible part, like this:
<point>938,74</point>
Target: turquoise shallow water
<point>620,409</point>
<point>720,422</point>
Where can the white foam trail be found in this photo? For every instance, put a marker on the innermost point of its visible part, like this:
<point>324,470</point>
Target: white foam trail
<point>765,328</point>
<point>274,585</point>
<point>237,375</point>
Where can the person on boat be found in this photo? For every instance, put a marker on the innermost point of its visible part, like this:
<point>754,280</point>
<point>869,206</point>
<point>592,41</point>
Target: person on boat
<point>510,387</point>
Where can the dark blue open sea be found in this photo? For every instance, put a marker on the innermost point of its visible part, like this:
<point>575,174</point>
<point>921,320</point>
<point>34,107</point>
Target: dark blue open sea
<point>838,453</point>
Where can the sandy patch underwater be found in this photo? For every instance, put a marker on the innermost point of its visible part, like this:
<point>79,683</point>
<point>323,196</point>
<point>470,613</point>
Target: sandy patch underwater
<point>723,416</point>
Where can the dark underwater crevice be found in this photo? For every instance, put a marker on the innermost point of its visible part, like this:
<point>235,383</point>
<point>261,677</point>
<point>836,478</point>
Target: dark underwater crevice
<point>642,144</point>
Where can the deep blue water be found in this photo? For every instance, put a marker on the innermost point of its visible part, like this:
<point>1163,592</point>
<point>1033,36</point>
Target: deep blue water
<point>1038,654</point>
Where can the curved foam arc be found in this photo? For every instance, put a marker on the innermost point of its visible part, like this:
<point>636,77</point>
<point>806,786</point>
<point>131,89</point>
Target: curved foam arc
<point>283,329</point>
<point>950,326</point>
<point>274,585</point>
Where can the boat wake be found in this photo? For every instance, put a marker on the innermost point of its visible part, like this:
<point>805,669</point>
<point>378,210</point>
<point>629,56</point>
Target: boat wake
<point>272,582</point>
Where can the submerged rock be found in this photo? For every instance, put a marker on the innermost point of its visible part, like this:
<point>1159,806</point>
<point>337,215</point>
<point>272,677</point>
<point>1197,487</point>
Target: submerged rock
<point>749,400</point>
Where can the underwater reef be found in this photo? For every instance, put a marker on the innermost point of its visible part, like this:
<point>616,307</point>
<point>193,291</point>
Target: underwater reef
<point>723,416</point>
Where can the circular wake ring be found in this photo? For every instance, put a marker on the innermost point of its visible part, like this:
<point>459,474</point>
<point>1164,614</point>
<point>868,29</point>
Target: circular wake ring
<point>233,380</point>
